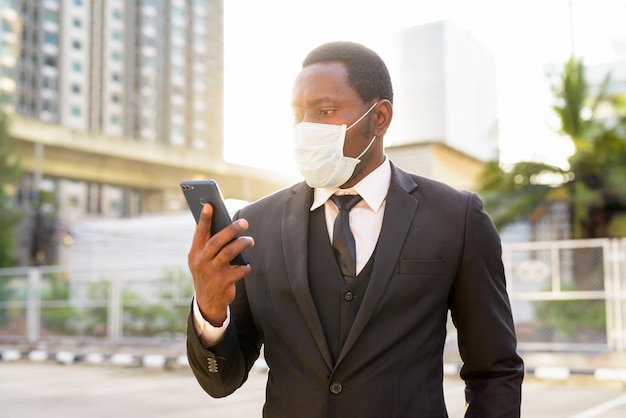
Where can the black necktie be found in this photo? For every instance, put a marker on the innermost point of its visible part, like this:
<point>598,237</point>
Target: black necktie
<point>343,240</point>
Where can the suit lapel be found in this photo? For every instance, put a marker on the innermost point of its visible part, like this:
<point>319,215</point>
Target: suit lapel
<point>400,210</point>
<point>295,235</point>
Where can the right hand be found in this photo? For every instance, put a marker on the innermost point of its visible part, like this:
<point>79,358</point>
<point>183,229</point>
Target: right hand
<point>209,259</point>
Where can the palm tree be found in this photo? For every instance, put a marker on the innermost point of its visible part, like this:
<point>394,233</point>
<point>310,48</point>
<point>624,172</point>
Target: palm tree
<point>595,184</point>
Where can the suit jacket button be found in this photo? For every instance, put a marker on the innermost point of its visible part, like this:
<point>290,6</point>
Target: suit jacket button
<point>336,388</point>
<point>348,296</point>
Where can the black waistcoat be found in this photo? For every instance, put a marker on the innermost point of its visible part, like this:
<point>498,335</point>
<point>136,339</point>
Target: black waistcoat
<point>337,302</point>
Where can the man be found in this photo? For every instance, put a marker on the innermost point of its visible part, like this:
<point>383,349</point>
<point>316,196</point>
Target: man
<point>367,341</point>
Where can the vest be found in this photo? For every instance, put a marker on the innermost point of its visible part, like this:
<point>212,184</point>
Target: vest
<point>337,302</point>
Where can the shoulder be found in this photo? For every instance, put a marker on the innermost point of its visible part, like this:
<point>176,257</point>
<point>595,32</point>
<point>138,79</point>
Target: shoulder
<point>428,188</point>
<point>276,200</point>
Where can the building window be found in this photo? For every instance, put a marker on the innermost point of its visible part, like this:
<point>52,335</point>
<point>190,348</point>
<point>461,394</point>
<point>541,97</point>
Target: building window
<point>50,61</point>
<point>51,38</point>
<point>51,16</point>
<point>76,67</point>
<point>75,88</point>
<point>77,23</point>
<point>76,45</point>
<point>75,111</point>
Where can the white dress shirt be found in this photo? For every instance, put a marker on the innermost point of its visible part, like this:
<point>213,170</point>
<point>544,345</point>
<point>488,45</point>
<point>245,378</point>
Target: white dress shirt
<point>366,220</point>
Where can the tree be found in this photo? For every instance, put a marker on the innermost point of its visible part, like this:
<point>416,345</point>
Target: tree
<point>10,173</point>
<point>594,186</point>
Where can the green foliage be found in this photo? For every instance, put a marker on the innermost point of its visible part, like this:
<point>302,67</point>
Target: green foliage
<point>570,317</point>
<point>165,316</point>
<point>57,319</point>
<point>10,173</point>
<point>64,312</point>
<point>594,186</point>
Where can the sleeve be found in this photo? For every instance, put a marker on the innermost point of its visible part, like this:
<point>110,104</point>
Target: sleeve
<point>481,311</point>
<point>222,368</point>
<point>207,333</point>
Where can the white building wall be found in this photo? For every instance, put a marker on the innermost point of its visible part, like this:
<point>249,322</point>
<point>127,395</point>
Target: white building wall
<point>446,90</point>
<point>74,64</point>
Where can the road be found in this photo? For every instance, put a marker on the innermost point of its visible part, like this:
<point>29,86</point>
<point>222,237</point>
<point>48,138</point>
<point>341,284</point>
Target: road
<point>49,390</point>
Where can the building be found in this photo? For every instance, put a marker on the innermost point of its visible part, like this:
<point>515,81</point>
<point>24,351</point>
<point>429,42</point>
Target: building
<point>446,90</point>
<point>10,30</point>
<point>146,70</point>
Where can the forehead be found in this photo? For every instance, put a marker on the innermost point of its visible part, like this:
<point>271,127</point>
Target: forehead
<point>327,81</point>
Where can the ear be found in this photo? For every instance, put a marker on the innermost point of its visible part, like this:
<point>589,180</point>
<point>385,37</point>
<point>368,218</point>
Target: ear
<point>384,113</point>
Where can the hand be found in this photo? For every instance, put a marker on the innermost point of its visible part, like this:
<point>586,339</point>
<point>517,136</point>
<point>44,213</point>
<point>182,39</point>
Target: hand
<point>209,259</point>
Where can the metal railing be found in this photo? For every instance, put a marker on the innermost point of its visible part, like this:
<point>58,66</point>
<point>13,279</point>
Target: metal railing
<point>565,295</point>
<point>113,304</point>
<point>568,295</point>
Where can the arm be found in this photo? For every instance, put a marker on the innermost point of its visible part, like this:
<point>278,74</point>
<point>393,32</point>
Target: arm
<point>480,307</point>
<point>223,367</point>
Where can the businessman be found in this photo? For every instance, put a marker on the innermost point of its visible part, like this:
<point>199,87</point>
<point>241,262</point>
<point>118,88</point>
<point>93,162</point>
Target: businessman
<point>353,272</point>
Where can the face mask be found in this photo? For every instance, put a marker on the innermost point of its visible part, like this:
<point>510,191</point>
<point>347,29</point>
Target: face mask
<point>319,153</point>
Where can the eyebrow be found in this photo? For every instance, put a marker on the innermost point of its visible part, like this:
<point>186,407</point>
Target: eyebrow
<point>316,102</point>
<point>319,101</point>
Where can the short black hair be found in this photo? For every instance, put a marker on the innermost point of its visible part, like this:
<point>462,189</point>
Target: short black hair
<point>367,72</point>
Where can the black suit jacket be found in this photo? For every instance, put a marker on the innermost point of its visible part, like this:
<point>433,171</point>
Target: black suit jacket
<point>437,251</point>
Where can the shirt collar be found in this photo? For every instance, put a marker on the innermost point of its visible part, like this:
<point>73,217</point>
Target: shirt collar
<point>373,188</point>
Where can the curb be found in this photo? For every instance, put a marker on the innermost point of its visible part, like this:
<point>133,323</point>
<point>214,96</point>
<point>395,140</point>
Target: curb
<point>153,361</point>
<point>161,361</point>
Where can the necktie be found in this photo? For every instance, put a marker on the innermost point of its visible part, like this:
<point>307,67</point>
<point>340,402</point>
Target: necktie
<point>343,240</point>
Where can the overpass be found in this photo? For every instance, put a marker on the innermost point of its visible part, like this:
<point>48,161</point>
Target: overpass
<point>151,169</point>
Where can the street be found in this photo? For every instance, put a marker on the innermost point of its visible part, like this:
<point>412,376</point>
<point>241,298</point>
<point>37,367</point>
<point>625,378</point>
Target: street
<point>33,390</point>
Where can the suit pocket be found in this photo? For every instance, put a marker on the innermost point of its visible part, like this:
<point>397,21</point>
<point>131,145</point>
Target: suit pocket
<point>422,267</point>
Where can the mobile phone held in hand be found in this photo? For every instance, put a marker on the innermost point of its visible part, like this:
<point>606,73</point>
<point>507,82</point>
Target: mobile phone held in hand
<point>198,193</point>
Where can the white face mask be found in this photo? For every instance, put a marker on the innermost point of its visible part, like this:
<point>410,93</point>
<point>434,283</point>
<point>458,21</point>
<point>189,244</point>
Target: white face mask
<point>319,153</point>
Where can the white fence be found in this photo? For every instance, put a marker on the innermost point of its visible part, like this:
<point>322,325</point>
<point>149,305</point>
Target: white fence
<point>568,295</point>
<point>565,295</point>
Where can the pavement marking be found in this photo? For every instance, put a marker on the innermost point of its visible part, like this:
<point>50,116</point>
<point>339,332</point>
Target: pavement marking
<point>597,410</point>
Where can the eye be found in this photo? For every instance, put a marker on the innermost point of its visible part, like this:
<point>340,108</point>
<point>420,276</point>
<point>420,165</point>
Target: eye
<point>326,112</point>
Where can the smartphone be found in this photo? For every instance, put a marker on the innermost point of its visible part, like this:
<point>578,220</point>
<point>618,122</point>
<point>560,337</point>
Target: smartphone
<point>198,193</point>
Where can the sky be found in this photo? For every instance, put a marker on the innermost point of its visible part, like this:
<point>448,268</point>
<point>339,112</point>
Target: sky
<point>265,42</point>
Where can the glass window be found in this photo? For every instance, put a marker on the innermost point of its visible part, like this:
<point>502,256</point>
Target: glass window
<point>50,61</point>
<point>77,23</point>
<point>76,67</point>
<point>51,16</point>
<point>75,111</point>
<point>51,38</point>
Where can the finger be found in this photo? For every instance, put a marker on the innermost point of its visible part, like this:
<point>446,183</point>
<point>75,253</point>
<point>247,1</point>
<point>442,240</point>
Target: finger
<point>223,238</point>
<point>203,229</point>
<point>235,247</point>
